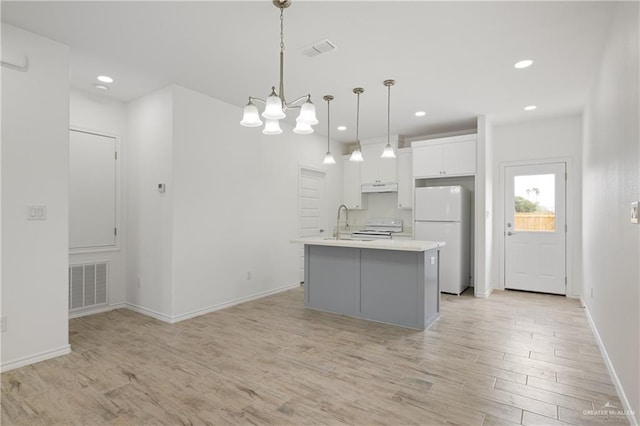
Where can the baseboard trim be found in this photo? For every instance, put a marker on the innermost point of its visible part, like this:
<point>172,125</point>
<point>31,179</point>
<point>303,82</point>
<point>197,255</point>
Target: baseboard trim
<point>149,312</point>
<point>32,359</point>
<point>224,305</point>
<point>98,310</point>
<point>612,372</point>
<point>483,295</point>
<point>172,319</point>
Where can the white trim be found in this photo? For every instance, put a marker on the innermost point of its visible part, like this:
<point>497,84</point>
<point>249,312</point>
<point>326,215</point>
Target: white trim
<point>172,319</point>
<point>224,305</point>
<point>149,312</point>
<point>607,361</point>
<point>572,287</point>
<point>118,196</point>
<point>32,359</point>
<point>98,310</point>
<point>484,295</point>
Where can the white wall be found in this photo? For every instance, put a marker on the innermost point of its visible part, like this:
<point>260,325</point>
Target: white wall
<point>229,208</point>
<point>483,209</point>
<point>97,113</point>
<point>541,139</point>
<point>611,168</point>
<point>35,171</point>
<point>236,192</point>
<point>149,154</point>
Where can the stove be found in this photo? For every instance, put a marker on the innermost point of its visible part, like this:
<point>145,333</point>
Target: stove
<point>379,228</point>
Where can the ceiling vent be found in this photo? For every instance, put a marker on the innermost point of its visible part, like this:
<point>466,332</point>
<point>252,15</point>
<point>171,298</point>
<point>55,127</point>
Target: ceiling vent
<point>318,48</point>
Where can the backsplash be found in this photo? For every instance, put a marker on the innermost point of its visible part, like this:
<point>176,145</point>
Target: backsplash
<point>381,205</point>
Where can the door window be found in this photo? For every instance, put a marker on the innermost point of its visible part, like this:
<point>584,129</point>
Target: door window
<point>534,203</point>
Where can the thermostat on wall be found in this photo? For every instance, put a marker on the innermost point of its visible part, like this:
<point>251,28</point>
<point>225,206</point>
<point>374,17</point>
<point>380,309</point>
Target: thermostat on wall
<point>161,188</point>
<point>634,212</point>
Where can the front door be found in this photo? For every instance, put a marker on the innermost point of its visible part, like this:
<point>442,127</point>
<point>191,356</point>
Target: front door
<point>535,227</point>
<point>312,207</point>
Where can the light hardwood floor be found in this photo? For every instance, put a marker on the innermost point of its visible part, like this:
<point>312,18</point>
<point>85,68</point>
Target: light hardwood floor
<point>515,358</point>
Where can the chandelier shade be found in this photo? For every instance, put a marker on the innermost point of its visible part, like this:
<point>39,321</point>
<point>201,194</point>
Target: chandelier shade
<point>272,127</point>
<point>251,116</point>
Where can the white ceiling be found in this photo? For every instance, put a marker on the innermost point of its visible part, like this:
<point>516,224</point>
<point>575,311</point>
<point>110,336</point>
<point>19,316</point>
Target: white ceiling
<point>453,60</point>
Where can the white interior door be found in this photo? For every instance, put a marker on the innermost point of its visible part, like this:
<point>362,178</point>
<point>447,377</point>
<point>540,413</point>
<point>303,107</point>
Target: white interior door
<point>312,207</point>
<point>92,190</point>
<point>535,228</point>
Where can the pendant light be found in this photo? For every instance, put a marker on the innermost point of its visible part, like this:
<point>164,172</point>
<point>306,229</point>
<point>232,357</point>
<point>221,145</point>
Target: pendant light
<point>388,150</point>
<point>276,104</point>
<point>356,155</point>
<point>328,158</point>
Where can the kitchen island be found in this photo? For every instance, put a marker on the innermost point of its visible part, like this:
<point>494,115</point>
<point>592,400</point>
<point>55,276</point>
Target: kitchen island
<point>389,281</point>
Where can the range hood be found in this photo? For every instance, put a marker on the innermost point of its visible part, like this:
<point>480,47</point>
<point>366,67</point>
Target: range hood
<point>379,187</point>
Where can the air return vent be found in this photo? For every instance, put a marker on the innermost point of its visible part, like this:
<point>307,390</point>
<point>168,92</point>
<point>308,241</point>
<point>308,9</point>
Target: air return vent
<point>318,48</point>
<point>87,285</point>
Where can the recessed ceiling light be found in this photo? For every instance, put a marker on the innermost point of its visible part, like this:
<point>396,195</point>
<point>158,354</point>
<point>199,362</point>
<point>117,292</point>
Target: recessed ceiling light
<point>530,108</point>
<point>342,128</point>
<point>101,87</point>
<point>420,113</point>
<point>105,79</point>
<point>524,64</point>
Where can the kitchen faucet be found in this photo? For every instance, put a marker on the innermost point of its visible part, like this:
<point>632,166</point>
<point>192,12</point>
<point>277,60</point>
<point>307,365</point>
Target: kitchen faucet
<point>346,220</point>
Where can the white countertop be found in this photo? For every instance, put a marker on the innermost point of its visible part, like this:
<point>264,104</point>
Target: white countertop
<point>402,245</point>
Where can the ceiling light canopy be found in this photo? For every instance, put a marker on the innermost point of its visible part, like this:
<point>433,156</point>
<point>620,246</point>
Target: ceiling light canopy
<point>342,128</point>
<point>526,63</point>
<point>276,104</point>
<point>420,114</point>
<point>101,87</point>
<point>530,108</point>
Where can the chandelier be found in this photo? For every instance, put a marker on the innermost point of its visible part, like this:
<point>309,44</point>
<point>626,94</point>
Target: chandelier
<point>276,104</point>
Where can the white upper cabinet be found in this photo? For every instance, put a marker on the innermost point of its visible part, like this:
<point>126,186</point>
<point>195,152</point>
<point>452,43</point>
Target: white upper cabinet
<point>352,185</point>
<point>375,169</point>
<point>453,156</point>
<point>405,179</point>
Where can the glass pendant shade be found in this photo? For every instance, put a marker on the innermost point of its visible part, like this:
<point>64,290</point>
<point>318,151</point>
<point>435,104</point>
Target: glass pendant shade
<point>273,109</point>
<point>302,128</point>
<point>307,114</point>
<point>328,159</point>
<point>272,127</point>
<point>251,117</point>
<point>356,156</point>
<point>388,152</point>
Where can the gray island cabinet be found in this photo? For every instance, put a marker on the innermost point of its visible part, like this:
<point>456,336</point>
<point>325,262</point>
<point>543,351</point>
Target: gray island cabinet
<point>389,281</point>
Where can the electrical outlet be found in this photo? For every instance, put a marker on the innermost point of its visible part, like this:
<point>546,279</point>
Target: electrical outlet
<point>634,212</point>
<point>3,325</point>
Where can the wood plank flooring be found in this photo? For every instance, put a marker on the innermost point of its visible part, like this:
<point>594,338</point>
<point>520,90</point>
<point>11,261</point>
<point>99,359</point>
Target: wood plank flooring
<point>514,358</point>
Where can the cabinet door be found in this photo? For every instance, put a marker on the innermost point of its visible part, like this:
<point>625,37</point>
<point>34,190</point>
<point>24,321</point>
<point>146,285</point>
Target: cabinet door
<point>352,188</point>
<point>375,169</point>
<point>405,180</point>
<point>459,158</point>
<point>427,161</point>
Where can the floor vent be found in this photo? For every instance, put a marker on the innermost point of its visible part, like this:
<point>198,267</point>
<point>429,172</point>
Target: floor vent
<point>87,285</point>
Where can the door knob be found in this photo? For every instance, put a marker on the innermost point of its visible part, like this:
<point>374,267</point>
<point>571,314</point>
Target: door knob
<point>321,231</point>
<point>508,225</point>
<point>510,233</point>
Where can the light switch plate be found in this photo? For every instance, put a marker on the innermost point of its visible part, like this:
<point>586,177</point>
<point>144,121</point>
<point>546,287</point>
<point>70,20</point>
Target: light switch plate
<point>634,212</point>
<point>36,212</point>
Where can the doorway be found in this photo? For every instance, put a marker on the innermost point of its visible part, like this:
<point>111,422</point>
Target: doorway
<point>535,245</point>
<point>312,207</point>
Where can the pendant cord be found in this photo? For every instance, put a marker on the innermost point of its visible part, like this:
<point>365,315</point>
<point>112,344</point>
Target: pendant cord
<point>281,94</point>
<point>358,121</point>
<point>328,124</point>
<point>388,115</point>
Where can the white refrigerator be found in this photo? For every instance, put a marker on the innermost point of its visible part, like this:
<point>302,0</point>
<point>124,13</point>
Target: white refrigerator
<point>442,213</point>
